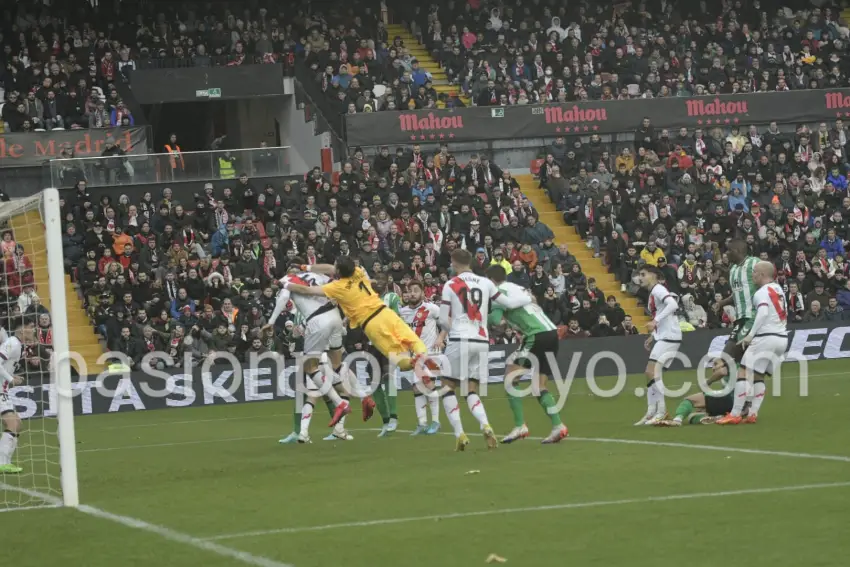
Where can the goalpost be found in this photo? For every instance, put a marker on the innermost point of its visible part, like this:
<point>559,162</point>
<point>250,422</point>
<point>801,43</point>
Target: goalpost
<point>34,275</point>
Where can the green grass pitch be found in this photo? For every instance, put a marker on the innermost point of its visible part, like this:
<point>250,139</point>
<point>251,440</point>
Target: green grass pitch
<point>218,472</point>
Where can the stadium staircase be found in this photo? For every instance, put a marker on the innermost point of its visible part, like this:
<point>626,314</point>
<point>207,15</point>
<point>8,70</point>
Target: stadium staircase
<point>590,266</point>
<point>417,50</point>
<point>28,231</point>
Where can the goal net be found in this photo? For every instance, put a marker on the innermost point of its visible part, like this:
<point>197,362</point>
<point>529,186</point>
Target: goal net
<point>37,459</point>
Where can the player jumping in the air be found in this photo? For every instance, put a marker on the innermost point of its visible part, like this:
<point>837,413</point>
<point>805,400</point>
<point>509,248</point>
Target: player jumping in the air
<point>694,408</point>
<point>385,402</point>
<point>354,294</point>
<point>666,336</point>
<point>539,342</point>
<point>323,332</point>
<point>765,345</point>
<point>464,312</point>
<point>10,354</point>
<point>423,317</point>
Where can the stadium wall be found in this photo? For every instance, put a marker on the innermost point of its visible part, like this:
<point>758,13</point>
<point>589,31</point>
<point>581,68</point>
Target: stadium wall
<point>222,384</point>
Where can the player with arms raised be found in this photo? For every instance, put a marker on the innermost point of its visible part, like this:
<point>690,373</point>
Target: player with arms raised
<point>423,317</point>
<point>539,342</point>
<point>354,294</point>
<point>764,345</point>
<point>463,314</point>
<point>663,343</point>
<point>323,332</point>
<point>11,352</point>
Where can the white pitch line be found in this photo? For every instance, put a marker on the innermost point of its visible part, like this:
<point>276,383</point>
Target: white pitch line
<point>503,511</point>
<point>823,457</point>
<point>24,508</point>
<point>289,414</point>
<point>162,531</point>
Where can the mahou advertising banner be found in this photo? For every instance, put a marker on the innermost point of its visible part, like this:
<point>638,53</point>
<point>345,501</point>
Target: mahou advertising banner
<point>595,117</point>
<point>35,148</point>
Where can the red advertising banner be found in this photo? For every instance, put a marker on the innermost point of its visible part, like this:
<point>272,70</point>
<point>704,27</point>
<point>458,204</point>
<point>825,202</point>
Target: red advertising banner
<point>19,149</point>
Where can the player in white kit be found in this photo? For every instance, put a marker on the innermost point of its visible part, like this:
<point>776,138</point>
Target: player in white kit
<point>11,351</point>
<point>765,345</point>
<point>323,333</point>
<point>423,317</point>
<point>463,314</point>
<point>662,344</point>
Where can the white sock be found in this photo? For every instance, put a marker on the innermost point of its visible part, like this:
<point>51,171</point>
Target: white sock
<point>434,402</point>
<point>420,402</point>
<point>759,390</point>
<point>476,406</point>
<point>741,388</point>
<point>660,402</point>
<point>8,444</point>
<point>453,413</point>
<point>306,416</point>
<point>651,398</point>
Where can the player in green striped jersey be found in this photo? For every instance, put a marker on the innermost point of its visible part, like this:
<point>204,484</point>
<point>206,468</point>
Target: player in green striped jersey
<point>386,404</point>
<point>701,408</point>
<point>539,342</point>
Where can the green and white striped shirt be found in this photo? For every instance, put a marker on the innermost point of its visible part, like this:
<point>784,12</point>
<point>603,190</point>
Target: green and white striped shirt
<point>744,288</point>
<point>529,320</point>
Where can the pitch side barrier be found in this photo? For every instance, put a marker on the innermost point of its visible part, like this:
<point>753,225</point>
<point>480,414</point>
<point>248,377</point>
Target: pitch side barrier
<point>221,384</point>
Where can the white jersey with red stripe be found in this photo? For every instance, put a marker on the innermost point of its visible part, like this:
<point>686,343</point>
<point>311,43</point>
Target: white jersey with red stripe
<point>666,329</point>
<point>423,319</point>
<point>774,322</point>
<point>305,304</point>
<point>10,354</point>
<point>468,297</point>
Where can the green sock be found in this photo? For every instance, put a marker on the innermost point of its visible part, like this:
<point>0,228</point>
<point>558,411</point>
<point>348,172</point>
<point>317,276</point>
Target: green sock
<point>296,421</point>
<point>684,409</point>
<point>547,402</point>
<point>392,402</point>
<point>330,406</point>
<point>380,398</point>
<point>516,409</point>
<point>695,418</point>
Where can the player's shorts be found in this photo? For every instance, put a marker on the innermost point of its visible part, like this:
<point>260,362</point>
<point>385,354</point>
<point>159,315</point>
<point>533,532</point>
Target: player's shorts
<point>719,405</point>
<point>323,331</point>
<point>411,378</point>
<point>467,360</point>
<point>536,351</point>
<point>6,405</point>
<point>663,352</point>
<point>390,335</point>
<point>765,353</point>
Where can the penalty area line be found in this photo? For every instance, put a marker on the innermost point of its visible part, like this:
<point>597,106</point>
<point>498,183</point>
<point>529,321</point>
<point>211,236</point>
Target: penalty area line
<point>141,525</point>
<point>530,509</point>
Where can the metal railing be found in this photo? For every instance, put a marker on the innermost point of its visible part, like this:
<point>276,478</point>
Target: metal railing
<point>136,169</point>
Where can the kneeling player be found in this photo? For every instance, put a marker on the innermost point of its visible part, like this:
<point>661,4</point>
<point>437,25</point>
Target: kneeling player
<point>423,317</point>
<point>539,342</point>
<point>323,332</point>
<point>765,345</point>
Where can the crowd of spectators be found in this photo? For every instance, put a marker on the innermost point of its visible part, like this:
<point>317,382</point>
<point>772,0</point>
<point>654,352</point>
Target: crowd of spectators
<point>540,52</point>
<point>201,277</point>
<point>20,301</point>
<point>673,200</point>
